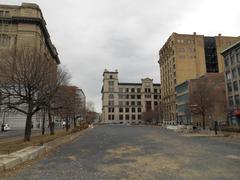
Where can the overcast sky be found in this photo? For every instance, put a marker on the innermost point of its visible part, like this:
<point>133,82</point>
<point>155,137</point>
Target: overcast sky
<point>93,35</point>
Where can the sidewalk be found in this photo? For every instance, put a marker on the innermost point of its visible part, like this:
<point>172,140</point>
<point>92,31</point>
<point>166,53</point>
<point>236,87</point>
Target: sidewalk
<point>9,161</point>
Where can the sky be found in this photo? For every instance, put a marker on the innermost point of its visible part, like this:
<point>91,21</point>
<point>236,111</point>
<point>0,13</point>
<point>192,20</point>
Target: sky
<point>93,35</point>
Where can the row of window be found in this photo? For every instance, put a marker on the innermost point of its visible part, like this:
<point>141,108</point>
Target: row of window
<point>126,109</point>
<point>122,96</point>
<point>127,117</point>
<point>134,90</point>
<point>4,13</point>
<point>129,103</point>
<point>232,99</point>
<point>233,86</point>
<point>233,74</point>
<point>233,60</point>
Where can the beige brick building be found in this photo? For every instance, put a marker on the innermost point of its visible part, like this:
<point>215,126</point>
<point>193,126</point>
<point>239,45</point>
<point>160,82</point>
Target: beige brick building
<point>125,103</point>
<point>24,26</point>
<point>184,57</point>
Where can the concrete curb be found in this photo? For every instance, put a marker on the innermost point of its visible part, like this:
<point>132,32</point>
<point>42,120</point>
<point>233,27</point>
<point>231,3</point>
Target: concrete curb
<point>9,161</point>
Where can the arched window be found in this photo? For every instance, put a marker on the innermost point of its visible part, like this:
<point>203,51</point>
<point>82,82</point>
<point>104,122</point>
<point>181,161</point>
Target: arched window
<point>111,96</point>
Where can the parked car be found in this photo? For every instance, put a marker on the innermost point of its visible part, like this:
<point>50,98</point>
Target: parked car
<point>6,127</point>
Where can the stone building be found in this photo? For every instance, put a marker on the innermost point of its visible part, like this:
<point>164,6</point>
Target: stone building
<point>232,80</point>
<point>206,96</point>
<point>184,57</point>
<point>125,103</point>
<point>24,26</point>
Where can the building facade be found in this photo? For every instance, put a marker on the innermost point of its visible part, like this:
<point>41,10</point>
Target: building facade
<point>185,57</point>
<point>124,103</point>
<point>232,81</point>
<point>24,26</point>
<point>206,96</point>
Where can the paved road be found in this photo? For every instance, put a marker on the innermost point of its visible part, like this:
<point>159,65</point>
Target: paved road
<point>133,152</point>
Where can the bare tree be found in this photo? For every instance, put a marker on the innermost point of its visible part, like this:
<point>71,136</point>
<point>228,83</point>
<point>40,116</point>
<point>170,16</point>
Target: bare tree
<point>67,100</point>
<point>200,101</point>
<point>91,115</point>
<point>28,82</point>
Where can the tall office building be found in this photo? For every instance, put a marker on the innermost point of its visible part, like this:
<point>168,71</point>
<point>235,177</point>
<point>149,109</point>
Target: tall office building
<point>184,57</point>
<point>24,26</point>
<point>124,103</point>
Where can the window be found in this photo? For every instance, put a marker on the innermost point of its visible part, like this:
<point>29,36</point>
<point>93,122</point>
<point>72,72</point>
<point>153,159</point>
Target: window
<point>230,100</point>
<point>229,87</point>
<point>226,62</point>
<point>127,96</point>
<point>139,117</point>
<point>127,89</point>
<point>127,110</point>
<point>237,100</point>
<point>155,90</point>
<point>139,103</point>
<point>110,109</point>
<point>238,71</point>
<point>133,103</point>
<point>155,103</point>
<point>138,96</point>
<point>232,60</point>
<point>120,109</point>
<point>132,96</point>
<point>110,83</point>
<point>127,117</point>
<point>111,96</point>
<point>234,73</point>
<point>110,117</point>
<point>110,103</point>
<point>127,103</point>
<point>139,110</point>
<point>133,109</point>
<point>238,58</point>
<point>138,90</point>
<point>155,96</point>
<point>110,76</point>
<point>132,90</point>
<point>120,117</point>
<point>235,86</point>
<point>228,76</point>
<point>133,117</point>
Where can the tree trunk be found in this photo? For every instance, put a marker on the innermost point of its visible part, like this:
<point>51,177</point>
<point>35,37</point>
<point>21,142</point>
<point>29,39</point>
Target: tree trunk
<point>28,127</point>
<point>51,123</point>
<point>203,120</point>
<point>74,120</point>
<point>67,126</point>
<point>43,122</point>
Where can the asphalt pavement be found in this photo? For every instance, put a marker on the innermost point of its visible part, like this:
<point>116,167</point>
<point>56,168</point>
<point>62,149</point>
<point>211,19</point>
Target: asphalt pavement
<point>138,152</point>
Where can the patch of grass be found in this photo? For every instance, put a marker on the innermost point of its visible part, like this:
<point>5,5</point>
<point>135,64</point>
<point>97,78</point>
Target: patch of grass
<point>15,144</point>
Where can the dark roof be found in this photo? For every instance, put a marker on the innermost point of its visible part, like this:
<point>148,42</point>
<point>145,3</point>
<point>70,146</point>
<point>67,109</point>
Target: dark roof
<point>136,84</point>
<point>42,24</point>
<point>231,48</point>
